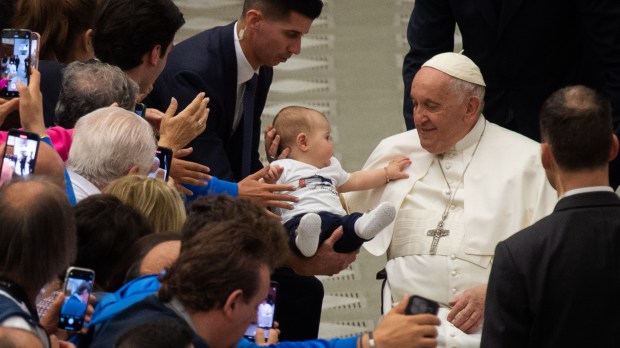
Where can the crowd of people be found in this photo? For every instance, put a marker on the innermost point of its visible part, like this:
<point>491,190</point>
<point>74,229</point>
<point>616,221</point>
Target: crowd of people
<point>500,230</point>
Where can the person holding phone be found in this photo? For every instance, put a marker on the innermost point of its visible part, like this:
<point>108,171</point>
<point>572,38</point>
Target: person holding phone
<point>37,243</point>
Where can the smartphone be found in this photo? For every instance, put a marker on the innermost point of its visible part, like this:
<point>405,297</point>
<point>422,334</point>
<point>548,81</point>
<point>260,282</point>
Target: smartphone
<point>77,288</point>
<point>20,153</point>
<point>35,39</point>
<point>162,160</point>
<point>420,305</point>
<point>140,109</point>
<point>15,61</point>
<point>264,315</point>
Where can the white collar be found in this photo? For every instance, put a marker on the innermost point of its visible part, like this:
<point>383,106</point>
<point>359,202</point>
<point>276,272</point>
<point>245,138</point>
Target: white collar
<point>244,69</point>
<point>470,139</point>
<point>586,190</point>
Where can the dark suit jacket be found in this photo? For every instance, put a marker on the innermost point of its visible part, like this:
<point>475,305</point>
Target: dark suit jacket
<point>526,50</point>
<point>207,63</point>
<point>51,83</point>
<point>556,283</point>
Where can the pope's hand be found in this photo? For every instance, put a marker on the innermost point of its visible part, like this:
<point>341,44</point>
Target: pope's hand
<point>468,309</point>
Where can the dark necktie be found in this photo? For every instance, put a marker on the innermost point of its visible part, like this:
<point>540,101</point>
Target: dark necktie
<point>248,125</point>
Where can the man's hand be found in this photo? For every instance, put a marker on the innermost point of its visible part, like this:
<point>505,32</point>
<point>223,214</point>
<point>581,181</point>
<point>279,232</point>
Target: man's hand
<point>266,194</point>
<point>400,330</point>
<point>186,172</point>
<point>177,131</point>
<point>325,261</point>
<point>272,142</point>
<point>468,309</point>
<point>154,117</point>
<point>31,104</point>
<point>272,338</point>
<point>50,320</point>
<point>6,107</point>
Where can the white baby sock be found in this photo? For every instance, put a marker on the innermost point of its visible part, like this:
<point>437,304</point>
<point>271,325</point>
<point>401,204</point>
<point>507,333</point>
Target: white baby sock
<point>371,223</point>
<point>308,232</point>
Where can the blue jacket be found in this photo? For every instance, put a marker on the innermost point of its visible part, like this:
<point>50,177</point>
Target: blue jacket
<point>140,288</point>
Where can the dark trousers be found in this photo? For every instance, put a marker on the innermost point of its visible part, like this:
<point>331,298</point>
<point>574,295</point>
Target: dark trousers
<point>298,305</point>
<point>329,222</point>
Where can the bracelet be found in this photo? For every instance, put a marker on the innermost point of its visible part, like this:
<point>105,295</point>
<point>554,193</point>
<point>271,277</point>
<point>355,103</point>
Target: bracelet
<point>387,177</point>
<point>371,340</point>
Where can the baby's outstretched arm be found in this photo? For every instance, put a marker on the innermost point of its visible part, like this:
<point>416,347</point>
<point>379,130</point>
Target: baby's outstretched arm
<point>367,179</point>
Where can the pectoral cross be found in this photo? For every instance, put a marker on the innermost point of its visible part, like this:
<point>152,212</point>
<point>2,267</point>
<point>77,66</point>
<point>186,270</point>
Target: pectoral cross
<point>436,234</point>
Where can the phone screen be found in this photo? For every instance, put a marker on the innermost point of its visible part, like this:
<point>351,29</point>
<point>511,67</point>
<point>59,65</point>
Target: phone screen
<point>34,49</point>
<point>162,160</point>
<point>78,287</point>
<point>420,305</point>
<point>15,61</point>
<point>20,153</point>
<point>140,109</point>
<point>264,315</point>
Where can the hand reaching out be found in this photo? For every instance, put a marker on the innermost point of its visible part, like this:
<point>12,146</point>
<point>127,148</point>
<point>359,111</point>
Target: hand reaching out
<point>272,143</point>
<point>177,131</point>
<point>396,166</point>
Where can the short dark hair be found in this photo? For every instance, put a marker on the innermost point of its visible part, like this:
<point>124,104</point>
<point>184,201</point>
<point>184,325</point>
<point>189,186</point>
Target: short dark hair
<point>576,121</point>
<point>206,210</point>
<point>281,9</point>
<point>222,257</point>
<point>87,87</point>
<point>106,228</point>
<point>37,232</point>
<point>160,333</point>
<point>127,29</point>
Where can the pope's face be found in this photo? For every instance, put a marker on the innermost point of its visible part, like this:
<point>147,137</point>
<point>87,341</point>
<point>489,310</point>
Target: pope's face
<point>278,40</point>
<point>439,113</point>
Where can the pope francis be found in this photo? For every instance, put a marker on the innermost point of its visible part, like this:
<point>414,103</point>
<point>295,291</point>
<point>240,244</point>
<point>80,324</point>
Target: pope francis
<point>471,185</point>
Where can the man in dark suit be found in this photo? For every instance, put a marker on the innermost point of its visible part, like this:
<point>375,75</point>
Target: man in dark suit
<point>233,64</point>
<point>554,284</point>
<point>526,50</point>
<point>221,61</point>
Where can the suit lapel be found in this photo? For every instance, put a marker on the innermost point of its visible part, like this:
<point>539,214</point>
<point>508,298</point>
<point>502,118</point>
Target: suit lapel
<point>229,62</point>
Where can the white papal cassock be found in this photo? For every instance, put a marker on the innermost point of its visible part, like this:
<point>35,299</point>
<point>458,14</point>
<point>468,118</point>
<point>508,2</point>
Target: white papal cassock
<point>503,190</point>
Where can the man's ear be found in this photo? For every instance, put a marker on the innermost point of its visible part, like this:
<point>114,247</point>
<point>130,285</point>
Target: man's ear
<point>546,157</point>
<point>87,41</point>
<point>154,55</point>
<point>614,148</point>
<point>302,142</point>
<point>134,170</point>
<point>472,108</point>
<point>253,18</point>
<point>232,302</point>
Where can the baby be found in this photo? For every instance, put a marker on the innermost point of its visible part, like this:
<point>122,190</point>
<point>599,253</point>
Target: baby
<point>319,179</point>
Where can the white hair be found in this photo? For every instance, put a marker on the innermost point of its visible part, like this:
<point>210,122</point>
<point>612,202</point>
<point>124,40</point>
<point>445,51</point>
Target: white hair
<point>108,142</point>
<point>467,89</point>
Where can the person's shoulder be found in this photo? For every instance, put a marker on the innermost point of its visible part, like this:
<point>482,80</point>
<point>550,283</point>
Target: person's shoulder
<point>211,37</point>
<point>510,138</point>
<point>146,310</point>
